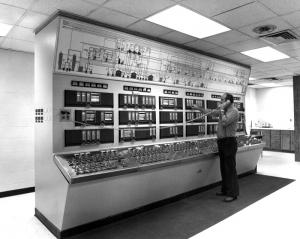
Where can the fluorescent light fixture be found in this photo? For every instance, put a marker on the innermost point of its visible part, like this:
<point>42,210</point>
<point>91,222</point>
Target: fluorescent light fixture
<point>186,21</point>
<point>4,29</point>
<point>265,54</point>
<point>251,78</point>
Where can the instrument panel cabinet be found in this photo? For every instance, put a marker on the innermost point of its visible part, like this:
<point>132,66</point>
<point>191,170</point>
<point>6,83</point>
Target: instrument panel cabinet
<point>93,117</point>
<point>137,134</point>
<point>170,102</point>
<point>88,99</point>
<point>137,117</point>
<point>189,103</point>
<point>170,117</point>
<point>88,137</point>
<point>171,132</point>
<point>194,130</point>
<point>194,117</point>
<point>136,101</point>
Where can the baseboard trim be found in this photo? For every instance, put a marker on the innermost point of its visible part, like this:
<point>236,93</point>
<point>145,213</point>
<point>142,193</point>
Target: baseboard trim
<point>16,192</point>
<point>92,225</point>
<point>280,150</point>
<point>50,226</point>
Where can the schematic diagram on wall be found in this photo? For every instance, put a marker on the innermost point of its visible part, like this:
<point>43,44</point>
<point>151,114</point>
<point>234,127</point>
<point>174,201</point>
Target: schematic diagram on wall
<point>115,55</point>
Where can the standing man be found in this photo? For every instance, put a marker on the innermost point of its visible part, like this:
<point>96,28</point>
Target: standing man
<point>227,146</point>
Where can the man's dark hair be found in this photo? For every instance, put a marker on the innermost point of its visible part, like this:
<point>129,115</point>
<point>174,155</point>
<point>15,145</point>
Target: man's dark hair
<point>229,97</point>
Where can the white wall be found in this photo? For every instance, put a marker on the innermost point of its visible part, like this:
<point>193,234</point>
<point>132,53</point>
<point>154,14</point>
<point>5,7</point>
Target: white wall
<point>16,120</point>
<point>250,108</point>
<point>273,105</point>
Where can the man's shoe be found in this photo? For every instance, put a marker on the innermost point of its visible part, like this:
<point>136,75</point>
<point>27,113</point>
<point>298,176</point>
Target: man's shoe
<point>220,194</point>
<point>229,199</point>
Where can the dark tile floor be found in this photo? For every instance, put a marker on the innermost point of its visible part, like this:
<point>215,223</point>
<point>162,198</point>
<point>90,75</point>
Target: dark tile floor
<point>187,217</point>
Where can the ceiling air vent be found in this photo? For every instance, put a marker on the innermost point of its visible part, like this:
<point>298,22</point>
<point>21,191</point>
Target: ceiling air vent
<point>277,38</point>
<point>265,29</point>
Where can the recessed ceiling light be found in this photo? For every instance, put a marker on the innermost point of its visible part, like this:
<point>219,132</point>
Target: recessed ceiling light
<point>265,54</point>
<point>4,29</point>
<point>186,21</point>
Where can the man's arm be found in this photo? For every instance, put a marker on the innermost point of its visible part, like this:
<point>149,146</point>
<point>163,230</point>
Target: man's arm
<point>229,117</point>
<point>215,112</point>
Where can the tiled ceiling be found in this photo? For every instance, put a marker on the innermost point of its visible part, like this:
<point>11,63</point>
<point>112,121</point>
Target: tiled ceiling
<point>242,16</point>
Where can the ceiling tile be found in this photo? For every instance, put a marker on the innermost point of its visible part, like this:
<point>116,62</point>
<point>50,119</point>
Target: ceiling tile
<point>249,61</point>
<point>18,3</point>
<point>245,15</point>
<point>263,66</point>
<point>33,20</point>
<point>177,37</point>
<point>18,45</point>
<point>213,7</point>
<point>139,8</point>
<point>220,51</point>
<point>9,14</point>
<point>293,18</point>
<point>281,72</point>
<point>286,61</point>
<point>293,65</point>
<point>77,6</point>
<point>256,74</point>
<point>201,45</point>
<point>149,28</point>
<point>227,37</point>
<point>21,33</point>
<point>246,45</point>
<point>283,6</point>
<point>236,56</point>
<point>293,69</point>
<point>45,6</point>
<point>277,21</point>
<point>292,53</point>
<point>112,17</point>
<point>288,46</point>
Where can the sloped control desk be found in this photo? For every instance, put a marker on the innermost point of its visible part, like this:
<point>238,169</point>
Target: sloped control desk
<point>97,185</point>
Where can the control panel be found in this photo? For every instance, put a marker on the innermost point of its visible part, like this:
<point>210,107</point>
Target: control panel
<point>137,133</point>
<point>195,130</point>
<point>88,99</point>
<point>167,117</point>
<point>136,101</point>
<point>89,165</point>
<point>170,103</point>
<point>88,136</point>
<point>190,102</point>
<point>171,132</point>
<point>211,129</point>
<point>195,117</point>
<point>125,114</point>
<point>137,117</point>
<point>93,117</point>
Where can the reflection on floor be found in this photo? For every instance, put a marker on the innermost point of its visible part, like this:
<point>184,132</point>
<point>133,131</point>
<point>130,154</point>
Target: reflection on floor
<point>275,216</point>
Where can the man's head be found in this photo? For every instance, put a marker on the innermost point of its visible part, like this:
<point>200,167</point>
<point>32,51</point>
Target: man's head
<point>226,100</point>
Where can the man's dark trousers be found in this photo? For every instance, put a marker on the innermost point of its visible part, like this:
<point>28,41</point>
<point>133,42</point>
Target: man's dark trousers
<point>227,153</point>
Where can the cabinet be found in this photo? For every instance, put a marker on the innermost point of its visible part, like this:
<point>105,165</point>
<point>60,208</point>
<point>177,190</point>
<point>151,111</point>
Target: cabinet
<point>277,140</point>
<point>285,140</point>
